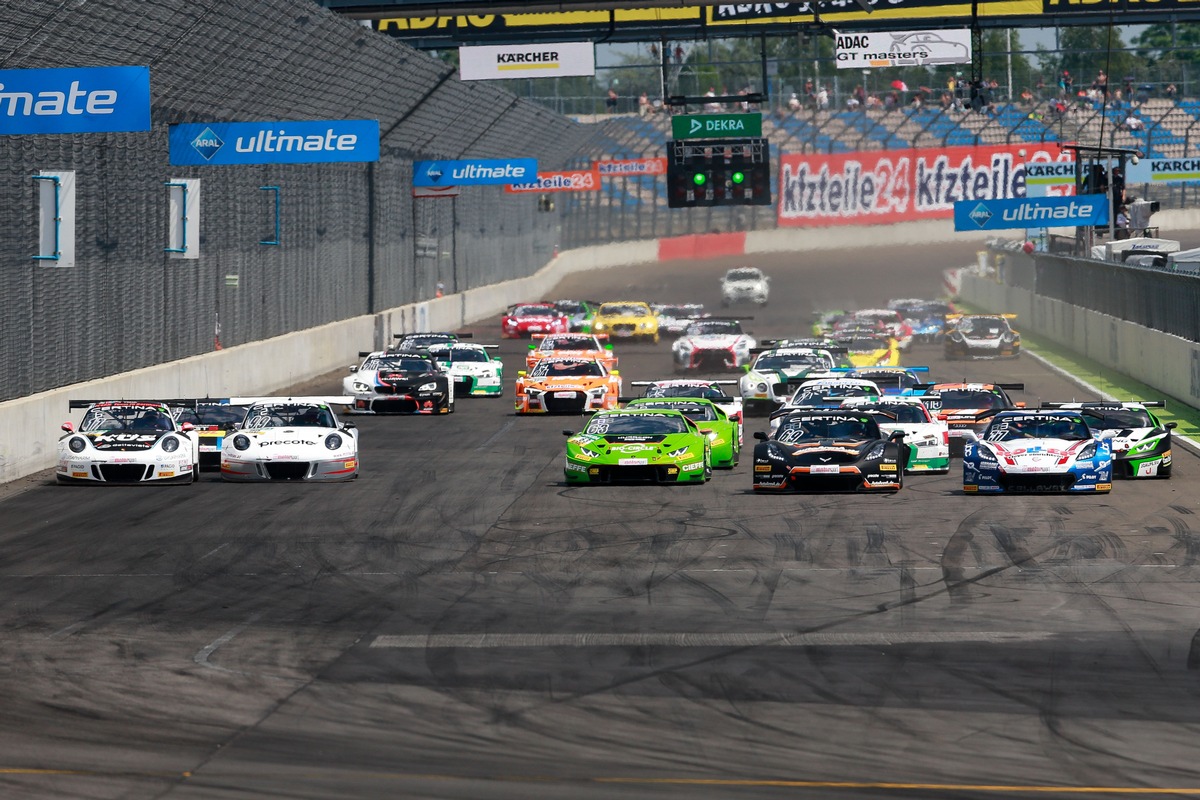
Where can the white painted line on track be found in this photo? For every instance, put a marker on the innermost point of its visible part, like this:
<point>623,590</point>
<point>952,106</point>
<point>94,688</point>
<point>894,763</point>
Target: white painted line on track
<point>1062,373</point>
<point>205,652</point>
<point>484,641</point>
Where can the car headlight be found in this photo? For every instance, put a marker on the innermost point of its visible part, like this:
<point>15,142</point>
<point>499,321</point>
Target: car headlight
<point>762,387</point>
<point>427,387</point>
<point>360,387</point>
<point>986,454</point>
<point>876,451</point>
<point>241,442</point>
<point>957,337</point>
<point>597,325</point>
<point>170,444</point>
<point>1146,446</point>
<point>77,444</point>
<point>1088,452</point>
<point>333,441</point>
<point>680,453</point>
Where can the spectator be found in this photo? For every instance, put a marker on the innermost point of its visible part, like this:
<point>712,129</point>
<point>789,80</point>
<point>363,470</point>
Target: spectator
<point>1133,122</point>
<point>861,95</point>
<point>852,103</point>
<point>947,101</point>
<point>1041,90</point>
<point>678,54</point>
<point>611,102</point>
<point>643,105</point>
<point>1170,91</point>
<point>822,99</point>
<point>1101,84</point>
<point>1066,83</point>
<point>873,101</point>
<point>1026,97</point>
<point>713,106</point>
<point>1121,228</point>
<point>810,95</point>
<point>793,103</point>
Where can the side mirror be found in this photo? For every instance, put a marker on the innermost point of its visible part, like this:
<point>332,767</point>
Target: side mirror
<point>568,433</point>
<point>354,367</point>
<point>521,374</point>
<point>706,431</point>
<point>760,435</point>
<point>68,427</point>
<point>187,427</point>
<point>897,436</point>
<point>1169,426</point>
<point>615,372</point>
<point>348,426</point>
<point>1021,404</point>
<point>532,347</point>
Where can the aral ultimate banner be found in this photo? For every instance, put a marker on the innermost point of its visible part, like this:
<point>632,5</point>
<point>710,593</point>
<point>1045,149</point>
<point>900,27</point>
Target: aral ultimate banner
<point>307,142</point>
<point>1031,212</point>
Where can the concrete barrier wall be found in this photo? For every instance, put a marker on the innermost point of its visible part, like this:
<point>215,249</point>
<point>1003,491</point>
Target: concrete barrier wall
<point>1169,364</point>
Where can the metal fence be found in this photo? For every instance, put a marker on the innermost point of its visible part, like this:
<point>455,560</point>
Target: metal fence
<point>352,239</point>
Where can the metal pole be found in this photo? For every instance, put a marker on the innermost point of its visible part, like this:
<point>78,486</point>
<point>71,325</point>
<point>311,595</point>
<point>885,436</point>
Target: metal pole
<point>1111,215</point>
<point>1008,36</point>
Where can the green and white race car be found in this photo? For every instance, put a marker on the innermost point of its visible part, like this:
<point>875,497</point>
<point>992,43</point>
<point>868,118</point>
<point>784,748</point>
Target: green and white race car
<point>639,446</point>
<point>471,367</point>
<point>1141,442</point>
<point>775,373</point>
<point>725,439</point>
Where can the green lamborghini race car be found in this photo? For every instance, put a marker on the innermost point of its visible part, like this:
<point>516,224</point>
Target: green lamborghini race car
<point>639,446</point>
<point>725,441</point>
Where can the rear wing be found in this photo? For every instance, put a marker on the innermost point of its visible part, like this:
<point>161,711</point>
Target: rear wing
<point>709,383</point>
<point>434,333</point>
<point>1008,387</point>
<point>1100,404</point>
<point>329,400</point>
<point>188,402</point>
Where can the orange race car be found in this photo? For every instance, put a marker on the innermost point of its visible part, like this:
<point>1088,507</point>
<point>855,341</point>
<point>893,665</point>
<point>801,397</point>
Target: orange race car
<point>572,345</point>
<point>558,385</point>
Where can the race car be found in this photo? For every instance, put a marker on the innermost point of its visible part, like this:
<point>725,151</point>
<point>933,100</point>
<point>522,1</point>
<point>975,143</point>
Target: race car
<point>927,318</point>
<point>892,321</point>
<point>967,408</point>
<point>524,320</point>
<point>1038,451</point>
<point>745,283</point>
<point>579,313</point>
<point>867,349</point>
<point>211,418</point>
<point>776,373</point>
<point>836,349</point>
<point>1141,442</point>
<point>421,342</point>
<point>696,387</point>
<point>471,368</point>
<point>713,343</point>
<point>825,320</point>
<point>725,434</point>
<point>892,380</point>
<point>558,385</point>
<point>129,442</point>
<point>291,439</point>
<point>638,445</point>
<point>574,345</point>
<point>823,450</point>
<point>981,336</point>
<point>927,437</point>
<point>626,320</point>
<point>825,392</point>
<point>399,383</point>
<point>673,319</point>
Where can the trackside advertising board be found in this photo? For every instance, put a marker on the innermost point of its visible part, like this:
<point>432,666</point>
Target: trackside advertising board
<point>1030,212</point>
<point>1163,170</point>
<point>580,180</point>
<point>882,187</point>
<point>474,172</point>
<point>84,100</point>
<point>307,142</point>
<point>499,62</point>
<point>867,49</point>
<point>615,168</point>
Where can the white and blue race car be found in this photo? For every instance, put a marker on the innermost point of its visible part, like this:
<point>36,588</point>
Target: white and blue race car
<point>1038,451</point>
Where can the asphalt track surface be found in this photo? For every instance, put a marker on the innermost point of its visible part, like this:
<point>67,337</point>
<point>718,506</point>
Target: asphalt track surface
<point>458,623</point>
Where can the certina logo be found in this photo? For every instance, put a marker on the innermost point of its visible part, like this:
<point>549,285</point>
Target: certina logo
<point>73,102</point>
<point>207,144</point>
<point>980,215</point>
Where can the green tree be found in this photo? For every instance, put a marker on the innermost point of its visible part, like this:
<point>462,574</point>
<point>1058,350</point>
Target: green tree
<point>1088,49</point>
<point>1171,52</point>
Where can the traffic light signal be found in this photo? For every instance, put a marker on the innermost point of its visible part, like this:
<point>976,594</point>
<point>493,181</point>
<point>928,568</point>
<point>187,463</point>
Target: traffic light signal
<point>718,172</point>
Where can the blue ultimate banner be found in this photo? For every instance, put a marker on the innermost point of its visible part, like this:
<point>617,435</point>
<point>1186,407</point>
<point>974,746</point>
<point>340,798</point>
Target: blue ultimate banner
<point>306,142</point>
<point>69,100</point>
<point>474,172</point>
<point>1030,212</point>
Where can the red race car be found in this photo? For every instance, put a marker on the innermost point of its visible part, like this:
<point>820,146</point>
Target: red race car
<point>529,318</point>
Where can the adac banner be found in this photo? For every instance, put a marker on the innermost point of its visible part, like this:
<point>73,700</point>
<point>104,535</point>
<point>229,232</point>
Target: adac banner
<point>297,142</point>
<point>83,100</point>
<point>577,180</point>
<point>1031,212</point>
<point>474,172</point>
<point>886,186</point>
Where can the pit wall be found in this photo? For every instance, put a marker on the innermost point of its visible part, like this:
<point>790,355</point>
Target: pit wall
<point>31,424</point>
<point>1168,363</point>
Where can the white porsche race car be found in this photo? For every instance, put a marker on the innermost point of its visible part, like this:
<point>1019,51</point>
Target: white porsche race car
<point>291,439</point>
<point>776,373</point>
<point>127,442</point>
<point>745,283</point>
<point>713,343</point>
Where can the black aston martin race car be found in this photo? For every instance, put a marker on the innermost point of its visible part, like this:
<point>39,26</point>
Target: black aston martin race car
<point>823,450</point>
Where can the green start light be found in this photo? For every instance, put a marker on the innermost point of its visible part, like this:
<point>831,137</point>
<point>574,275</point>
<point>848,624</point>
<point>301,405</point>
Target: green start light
<point>699,179</point>
<point>738,177</point>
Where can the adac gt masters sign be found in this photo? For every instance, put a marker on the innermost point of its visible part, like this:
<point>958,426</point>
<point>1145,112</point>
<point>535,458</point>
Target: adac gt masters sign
<point>866,49</point>
<point>581,180</point>
<point>308,142</point>
<point>1031,212</point>
<point>474,172</point>
<point>85,100</point>
<point>496,62</point>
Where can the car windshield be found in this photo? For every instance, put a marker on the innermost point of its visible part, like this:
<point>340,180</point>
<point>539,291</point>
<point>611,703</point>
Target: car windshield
<point>393,364</point>
<point>805,429</point>
<point>1113,418</point>
<point>288,415</point>
<point>624,310</point>
<point>808,395</point>
<point>651,424</point>
<point>1040,426</point>
<point>459,355</point>
<point>570,307</point>
<point>533,311</point>
<point>969,398</point>
<point>983,327</point>
<point>743,275</point>
<point>133,418</point>
<point>704,391</point>
<point>555,369</point>
<point>716,328</point>
<point>676,312</point>
<point>897,412</point>
<point>571,343</point>
<point>427,340</point>
<point>787,360</point>
<point>218,415</point>
<point>697,412</point>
